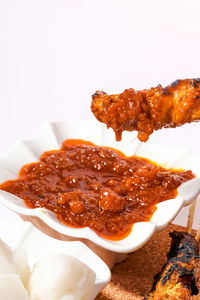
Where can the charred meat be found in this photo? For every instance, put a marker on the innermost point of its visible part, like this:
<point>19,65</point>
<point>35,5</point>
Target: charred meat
<point>179,277</point>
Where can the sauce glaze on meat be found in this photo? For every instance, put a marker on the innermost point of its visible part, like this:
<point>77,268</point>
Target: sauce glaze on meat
<point>150,109</point>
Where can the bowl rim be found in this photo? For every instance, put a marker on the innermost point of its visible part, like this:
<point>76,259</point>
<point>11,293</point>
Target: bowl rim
<point>123,246</point>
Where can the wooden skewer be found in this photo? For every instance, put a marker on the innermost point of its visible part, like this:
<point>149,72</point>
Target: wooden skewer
<point>191,217</point>
<point>197,237</point>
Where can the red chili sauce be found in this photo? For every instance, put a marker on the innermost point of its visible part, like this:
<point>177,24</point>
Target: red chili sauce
<point>98,187</point>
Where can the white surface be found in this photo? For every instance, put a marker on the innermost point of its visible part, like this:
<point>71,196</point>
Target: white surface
<point>11,288</point>
<point>52,135</point>
<point>26,237</point>
<point>55,54</point>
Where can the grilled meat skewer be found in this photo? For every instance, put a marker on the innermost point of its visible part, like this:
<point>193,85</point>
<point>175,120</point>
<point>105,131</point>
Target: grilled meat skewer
<point>150,109</point>
<point>179,277</point>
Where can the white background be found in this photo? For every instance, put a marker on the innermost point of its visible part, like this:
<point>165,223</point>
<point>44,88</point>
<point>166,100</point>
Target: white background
<point>55,54</point>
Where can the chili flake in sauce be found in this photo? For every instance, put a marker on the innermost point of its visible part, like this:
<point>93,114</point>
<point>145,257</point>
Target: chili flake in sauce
<point>98,187</point>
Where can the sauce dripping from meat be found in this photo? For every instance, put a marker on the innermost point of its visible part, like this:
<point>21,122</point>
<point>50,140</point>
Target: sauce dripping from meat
<point>148,110</point>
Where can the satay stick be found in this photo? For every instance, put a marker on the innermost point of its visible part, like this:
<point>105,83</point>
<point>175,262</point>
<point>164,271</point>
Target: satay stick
<point>197,237</point>
<point>191,216</point>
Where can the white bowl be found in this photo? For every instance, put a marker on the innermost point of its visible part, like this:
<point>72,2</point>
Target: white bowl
<point>51,136</point>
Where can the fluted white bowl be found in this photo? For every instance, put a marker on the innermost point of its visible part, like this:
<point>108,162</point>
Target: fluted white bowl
<point>51,137</point>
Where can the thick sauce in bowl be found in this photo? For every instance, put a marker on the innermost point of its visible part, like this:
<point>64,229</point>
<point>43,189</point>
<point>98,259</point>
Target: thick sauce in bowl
<point>98,187</point>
